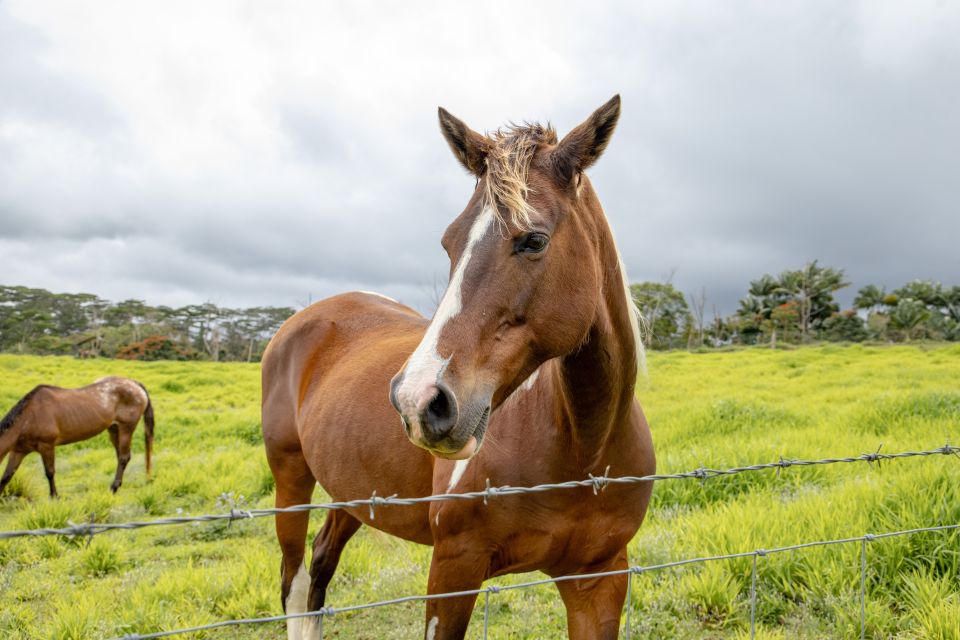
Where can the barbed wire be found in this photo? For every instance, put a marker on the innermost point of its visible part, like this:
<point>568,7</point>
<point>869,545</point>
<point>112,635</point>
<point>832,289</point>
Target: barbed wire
<point>327,612</point>
<point>597,483</point>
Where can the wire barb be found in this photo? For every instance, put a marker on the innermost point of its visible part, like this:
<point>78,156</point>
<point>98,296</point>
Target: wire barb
<point>489,492</point>
<point>600,482</point>
<point>876,456</point>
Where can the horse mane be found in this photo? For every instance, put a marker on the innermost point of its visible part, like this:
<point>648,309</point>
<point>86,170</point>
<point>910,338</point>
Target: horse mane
<point>508,163</point>
<point>18,408</point>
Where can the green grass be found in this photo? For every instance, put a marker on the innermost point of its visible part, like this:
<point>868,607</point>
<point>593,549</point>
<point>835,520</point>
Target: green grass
<point>710,409</point>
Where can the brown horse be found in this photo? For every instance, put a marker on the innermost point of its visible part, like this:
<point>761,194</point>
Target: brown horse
<point>534,350</point>
<point>50,416</point>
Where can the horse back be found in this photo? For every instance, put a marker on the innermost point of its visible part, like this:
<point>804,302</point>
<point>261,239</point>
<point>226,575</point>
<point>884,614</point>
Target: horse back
<point>82,413</point>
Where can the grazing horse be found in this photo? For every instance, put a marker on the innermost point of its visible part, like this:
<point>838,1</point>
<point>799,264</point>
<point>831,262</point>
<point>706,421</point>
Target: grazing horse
<point>534,351</point>
<point>50,416</point>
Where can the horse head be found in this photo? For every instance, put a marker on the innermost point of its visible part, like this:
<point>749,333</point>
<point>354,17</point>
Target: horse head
<point>526,277</point>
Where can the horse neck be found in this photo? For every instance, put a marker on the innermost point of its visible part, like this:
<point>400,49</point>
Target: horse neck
<point>597,381</point>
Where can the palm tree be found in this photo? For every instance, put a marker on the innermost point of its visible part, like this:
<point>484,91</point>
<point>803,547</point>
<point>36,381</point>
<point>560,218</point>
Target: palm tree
<point>812,288</point>
<point>908,315</point>
<point>869,298</point>
<point>763,297</point>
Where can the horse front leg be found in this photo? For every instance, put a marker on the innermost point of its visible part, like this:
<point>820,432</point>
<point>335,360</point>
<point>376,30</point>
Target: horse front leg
<point>594,605</point>
<point>455,566</point>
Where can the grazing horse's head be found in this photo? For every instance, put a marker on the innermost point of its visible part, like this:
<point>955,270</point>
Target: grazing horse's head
<point>525,277</point>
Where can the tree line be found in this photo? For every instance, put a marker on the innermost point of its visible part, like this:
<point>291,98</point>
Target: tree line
<point>798,307</point>
<point>41,322</point>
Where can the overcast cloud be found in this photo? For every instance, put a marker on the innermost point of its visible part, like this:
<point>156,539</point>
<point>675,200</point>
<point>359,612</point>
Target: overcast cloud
<point>272,153</point>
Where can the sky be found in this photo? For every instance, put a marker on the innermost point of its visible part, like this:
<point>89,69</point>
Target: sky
<point>254,153</point>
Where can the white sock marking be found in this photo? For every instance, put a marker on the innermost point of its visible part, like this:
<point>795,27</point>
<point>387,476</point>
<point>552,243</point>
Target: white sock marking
<point>432,627</point>
<point>425,365</point>
<point>300,628</point>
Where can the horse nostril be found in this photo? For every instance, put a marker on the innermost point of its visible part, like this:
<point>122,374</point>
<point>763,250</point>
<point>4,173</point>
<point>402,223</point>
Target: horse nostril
<point>439,407</point>
<point>440,415</point>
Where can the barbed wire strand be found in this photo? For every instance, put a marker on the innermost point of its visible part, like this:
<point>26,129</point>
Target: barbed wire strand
<point>598,483</point>
<point>493,589</point>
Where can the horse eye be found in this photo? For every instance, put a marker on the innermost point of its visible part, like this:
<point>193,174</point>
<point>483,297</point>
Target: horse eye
<point>534,243</point>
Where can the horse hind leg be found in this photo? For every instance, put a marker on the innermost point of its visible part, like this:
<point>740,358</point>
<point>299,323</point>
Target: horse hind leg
<point>121,436</point>
<point>337,530</point>
<point>294,485</point>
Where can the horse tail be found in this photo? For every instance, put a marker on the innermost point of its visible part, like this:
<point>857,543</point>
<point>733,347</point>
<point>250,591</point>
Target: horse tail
<point>148,427</point>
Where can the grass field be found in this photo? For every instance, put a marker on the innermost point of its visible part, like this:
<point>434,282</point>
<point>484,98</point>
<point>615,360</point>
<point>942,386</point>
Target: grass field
<point>714,409</point>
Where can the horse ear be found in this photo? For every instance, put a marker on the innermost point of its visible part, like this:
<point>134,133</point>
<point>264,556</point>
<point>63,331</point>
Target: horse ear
<point>467,145</point>
<point>580,148</point>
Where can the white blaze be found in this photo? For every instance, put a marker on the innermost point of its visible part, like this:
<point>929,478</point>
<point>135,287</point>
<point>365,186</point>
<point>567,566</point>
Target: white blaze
<point>425,366</point>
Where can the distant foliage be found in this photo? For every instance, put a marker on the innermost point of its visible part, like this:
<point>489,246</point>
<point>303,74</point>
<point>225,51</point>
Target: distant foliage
<point>921,309</point>
<point>665,311</point>
<point>845,326</point>
<point>156,348</point>
<point>798,307</point>
<point>40,322</point>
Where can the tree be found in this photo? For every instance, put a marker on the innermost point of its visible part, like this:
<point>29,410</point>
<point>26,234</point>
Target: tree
<point>845,326</point>
<point>812,287</point>
<point>869,298</point>
<point>665,311</point>
<point>908,315</point>
<point>756,310</point>
<point>928,292</point>
<point>697,306</point>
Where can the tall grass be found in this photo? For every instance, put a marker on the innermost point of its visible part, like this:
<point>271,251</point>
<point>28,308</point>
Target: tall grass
<point>715,410</point>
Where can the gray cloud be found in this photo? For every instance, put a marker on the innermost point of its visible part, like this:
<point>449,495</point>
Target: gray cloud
<point>177,155</point>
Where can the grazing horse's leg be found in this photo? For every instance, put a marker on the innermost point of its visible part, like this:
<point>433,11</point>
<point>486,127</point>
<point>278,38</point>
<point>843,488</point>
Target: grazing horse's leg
<point>337,530</point>
<point>455,567</point>
<point>294,485</point>
<point>46,452</point>
<point>13,462</point>
<point>594,605</point>
<point>121,437</point>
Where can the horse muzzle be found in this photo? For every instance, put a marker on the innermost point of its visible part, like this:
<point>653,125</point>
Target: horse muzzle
<point>435,420</point>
